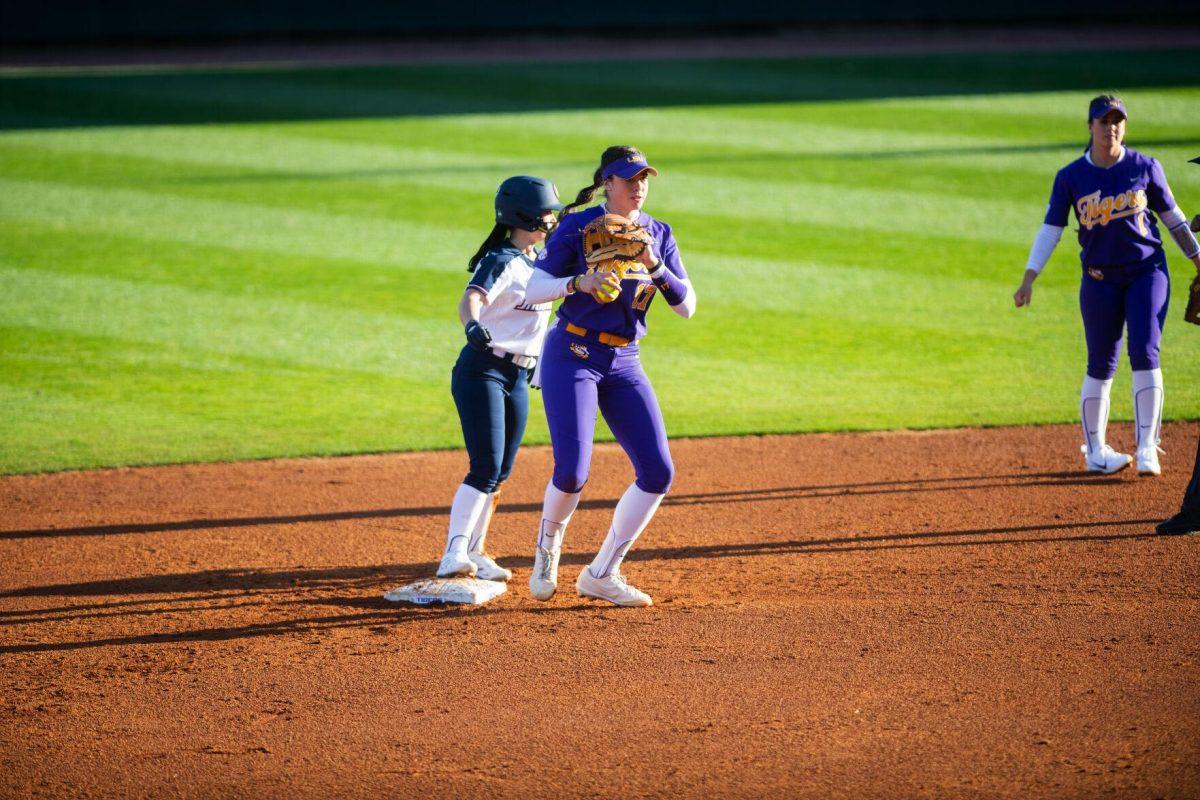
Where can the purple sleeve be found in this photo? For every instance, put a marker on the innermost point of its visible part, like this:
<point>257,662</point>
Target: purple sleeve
<point>560,257</point>
<point>1059,209</point>
<point>670,253</point>
<point>673,291</point>
<point>1157,191</point>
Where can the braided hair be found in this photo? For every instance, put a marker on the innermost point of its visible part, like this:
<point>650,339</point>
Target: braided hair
<point>614,153</point>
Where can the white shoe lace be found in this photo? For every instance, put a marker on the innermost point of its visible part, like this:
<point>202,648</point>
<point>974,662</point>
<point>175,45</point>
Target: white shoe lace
<point>622,584</point>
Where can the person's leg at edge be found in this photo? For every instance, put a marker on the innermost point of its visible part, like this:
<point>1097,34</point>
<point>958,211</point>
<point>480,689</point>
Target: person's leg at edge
<point>1188,518</point>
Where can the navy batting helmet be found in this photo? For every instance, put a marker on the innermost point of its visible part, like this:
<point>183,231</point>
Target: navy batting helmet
<point>522,200</point>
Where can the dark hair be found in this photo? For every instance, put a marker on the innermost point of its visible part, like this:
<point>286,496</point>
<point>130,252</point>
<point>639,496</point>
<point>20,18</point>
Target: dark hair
<point>614,153</point>
<point>496,238</point>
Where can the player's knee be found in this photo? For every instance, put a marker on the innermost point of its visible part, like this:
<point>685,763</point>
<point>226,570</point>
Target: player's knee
<point>656,479</point>
<point>1143,360</point>
<point>1102,370</point>
<point>570,481</point>
<point>484,476</point>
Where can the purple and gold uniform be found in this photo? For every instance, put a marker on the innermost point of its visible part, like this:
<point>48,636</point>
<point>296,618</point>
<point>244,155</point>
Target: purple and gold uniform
<point>563,257</point>
<point>591,361</point>
<point>1119,202</point>
<point>1125,278</point>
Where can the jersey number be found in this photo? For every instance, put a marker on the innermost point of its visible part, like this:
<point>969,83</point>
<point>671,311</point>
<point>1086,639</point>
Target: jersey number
<point>642,298</point>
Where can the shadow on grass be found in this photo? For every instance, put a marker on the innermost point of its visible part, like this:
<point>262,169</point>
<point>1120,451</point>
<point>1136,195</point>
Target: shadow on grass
<point>812,492</point>
<point>797,157</point>
<point>193,96</point>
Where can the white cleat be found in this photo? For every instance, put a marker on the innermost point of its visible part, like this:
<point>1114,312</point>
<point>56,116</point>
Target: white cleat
<point>487,569</point>
<point>614,589</point>
<point>1106,460</point>
<point>1147,461</point>
<point>456,565</point>
<point>543,581</point>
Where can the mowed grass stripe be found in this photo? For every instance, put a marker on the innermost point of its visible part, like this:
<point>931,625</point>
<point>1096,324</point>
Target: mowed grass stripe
<point>360,237</point>
<point>854,264</point>
<point>258,227</point>
<point>255,274</point>
<point>256,157</point>
<point>295,332</point>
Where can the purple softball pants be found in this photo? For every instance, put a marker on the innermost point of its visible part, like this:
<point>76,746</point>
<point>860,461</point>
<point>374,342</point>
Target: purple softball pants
<point>580,377</point>
<point>1135,297</point>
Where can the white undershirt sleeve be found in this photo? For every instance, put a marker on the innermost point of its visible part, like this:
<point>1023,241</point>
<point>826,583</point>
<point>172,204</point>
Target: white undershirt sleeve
<point>1043,246</point>
<point>687,307</point>
<point>544,287</point>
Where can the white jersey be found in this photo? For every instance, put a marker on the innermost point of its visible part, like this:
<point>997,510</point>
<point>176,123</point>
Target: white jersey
<point>516,326</point>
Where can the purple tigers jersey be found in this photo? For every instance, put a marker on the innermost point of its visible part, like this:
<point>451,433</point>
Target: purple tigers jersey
<point>1113,208</point>
<point>626,316</point>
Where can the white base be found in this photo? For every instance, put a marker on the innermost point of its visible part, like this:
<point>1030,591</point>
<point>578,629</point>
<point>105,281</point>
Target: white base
<point>426,591</point>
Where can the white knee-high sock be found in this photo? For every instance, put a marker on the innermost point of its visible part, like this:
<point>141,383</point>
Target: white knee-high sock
<point>1093,412</point>
<point>634,512</point>
<point>1147,406</point>
<point>557,508</point>
<point>468,506</point>
<point>480,531</point>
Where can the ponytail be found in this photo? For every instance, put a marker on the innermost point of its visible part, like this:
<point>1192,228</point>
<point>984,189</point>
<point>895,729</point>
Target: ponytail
<point>496,238</point>
<point>614,153</point>
<point>584,197</point>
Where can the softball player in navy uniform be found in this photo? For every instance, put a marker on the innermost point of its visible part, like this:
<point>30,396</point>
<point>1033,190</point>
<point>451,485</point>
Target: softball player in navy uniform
<point>591,362</point>
<point>1114,191</point>
<point>490,381</point>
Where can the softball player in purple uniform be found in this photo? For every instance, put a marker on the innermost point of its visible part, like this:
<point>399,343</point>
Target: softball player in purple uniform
<point>1113,191</point>
<point>591,362</point>
<point>490,379</point>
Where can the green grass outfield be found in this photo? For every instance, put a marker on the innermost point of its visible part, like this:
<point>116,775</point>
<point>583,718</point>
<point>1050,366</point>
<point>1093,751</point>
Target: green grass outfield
<point>221,264</point>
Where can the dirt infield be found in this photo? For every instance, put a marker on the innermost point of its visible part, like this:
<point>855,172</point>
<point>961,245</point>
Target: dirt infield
<point>957,613</point>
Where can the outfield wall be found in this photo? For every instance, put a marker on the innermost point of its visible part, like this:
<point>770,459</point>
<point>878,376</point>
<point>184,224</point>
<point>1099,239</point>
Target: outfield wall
<point>98,21</point>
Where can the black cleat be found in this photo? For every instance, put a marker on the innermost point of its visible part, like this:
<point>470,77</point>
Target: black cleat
<point>1181,523</point>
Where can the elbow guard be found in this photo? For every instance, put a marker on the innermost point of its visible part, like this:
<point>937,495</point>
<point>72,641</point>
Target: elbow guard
<point>1177,226</point>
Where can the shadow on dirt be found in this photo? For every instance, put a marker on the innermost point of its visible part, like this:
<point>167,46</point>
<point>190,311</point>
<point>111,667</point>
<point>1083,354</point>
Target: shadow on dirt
<point>208,590</point>
<point>958,483</point>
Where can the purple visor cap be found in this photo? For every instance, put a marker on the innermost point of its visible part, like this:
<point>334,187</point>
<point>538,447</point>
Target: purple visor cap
<point>1099,108</point>
<point>627,167</point>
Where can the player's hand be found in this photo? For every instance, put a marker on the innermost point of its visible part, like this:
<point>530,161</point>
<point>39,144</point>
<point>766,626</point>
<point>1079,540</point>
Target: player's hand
<point>594,282</point>
<point>648,257</point>
<point>478,336</point>
<point>1024,295</point>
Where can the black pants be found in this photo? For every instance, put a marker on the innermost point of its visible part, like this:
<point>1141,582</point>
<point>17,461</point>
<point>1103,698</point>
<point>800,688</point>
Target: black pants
<point>492,396</point>
<point>1191,498</point>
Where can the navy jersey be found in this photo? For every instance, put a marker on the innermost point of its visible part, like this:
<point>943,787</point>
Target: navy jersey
<point>563,257</point>
<point>1113,208</point>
